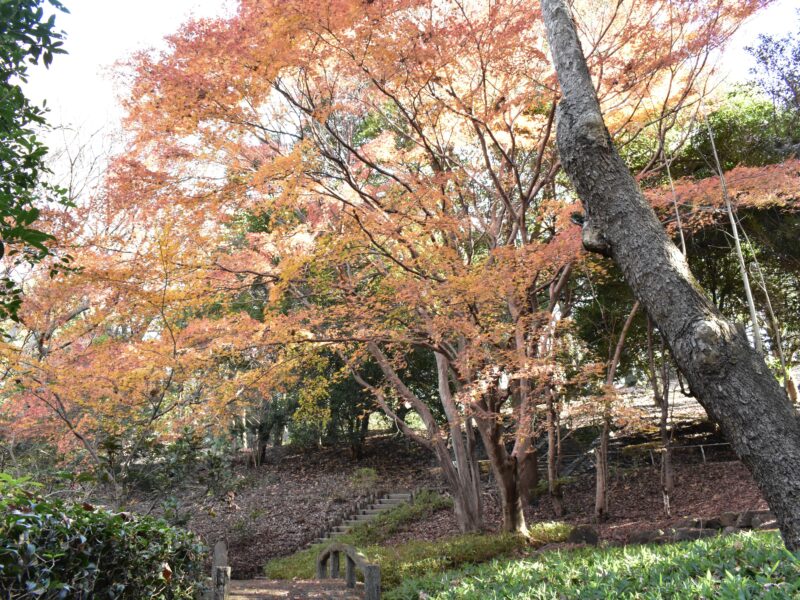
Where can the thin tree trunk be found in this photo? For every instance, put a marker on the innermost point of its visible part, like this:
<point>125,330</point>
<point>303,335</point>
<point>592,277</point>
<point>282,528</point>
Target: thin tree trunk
<point>777,339</point>
<point>667,478</point>
<point>601,460</point>
<point>748,290</point>
<point>461,474</point>
<point>601,472</point>
<point>676,207</point>
<point>553,487</point>
<point>559,453</point>
<point>729,378</point>
<point>661,398</point>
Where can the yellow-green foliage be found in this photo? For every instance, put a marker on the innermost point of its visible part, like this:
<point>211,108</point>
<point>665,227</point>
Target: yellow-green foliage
<point>364,479</point>
<point>416,558</point>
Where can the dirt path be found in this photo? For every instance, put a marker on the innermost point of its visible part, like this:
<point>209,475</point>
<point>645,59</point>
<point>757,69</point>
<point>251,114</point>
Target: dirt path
<point>267,589</point>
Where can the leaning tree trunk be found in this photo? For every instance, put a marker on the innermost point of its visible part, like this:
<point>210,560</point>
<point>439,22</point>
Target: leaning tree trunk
<point>727,376</point>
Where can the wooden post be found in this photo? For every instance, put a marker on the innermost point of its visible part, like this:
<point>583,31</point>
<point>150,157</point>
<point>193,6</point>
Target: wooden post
<point>372,582</point>
<point>322,568</point>
<point>220,557</point>
<point>222,581</point>
<point>335,564</point>
<point>350,572</point>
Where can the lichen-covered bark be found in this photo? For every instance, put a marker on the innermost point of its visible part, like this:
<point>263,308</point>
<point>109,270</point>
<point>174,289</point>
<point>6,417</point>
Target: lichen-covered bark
<point>728,377</point>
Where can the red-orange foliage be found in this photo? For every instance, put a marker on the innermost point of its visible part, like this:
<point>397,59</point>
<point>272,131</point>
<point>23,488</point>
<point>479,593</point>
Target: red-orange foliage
<point>384,171</point>
<point>760,188</point>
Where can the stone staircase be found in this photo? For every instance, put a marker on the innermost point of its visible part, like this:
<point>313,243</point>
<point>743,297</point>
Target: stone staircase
<point>365,514</point>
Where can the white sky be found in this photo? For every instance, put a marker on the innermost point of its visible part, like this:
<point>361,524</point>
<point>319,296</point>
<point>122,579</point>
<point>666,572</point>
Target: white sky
<point>78,87</point>
<point>79,90</point>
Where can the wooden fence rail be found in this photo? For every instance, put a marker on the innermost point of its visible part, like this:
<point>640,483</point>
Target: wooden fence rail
<point>354,559</point>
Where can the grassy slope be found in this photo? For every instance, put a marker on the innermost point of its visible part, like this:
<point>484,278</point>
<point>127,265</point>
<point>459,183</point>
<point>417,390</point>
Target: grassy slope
<point>417,558</point>
<point>742,566</point>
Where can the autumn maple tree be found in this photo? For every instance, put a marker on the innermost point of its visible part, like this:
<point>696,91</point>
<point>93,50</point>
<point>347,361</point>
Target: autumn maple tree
<point>400,156</point>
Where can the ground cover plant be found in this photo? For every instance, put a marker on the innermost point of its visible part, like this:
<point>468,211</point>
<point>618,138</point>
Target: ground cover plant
<point>746,565</point>
<point>53,550</point>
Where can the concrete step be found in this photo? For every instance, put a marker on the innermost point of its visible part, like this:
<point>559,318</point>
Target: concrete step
<point>365,515</point>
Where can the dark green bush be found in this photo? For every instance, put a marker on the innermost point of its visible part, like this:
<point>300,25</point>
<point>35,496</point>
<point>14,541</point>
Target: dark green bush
<point>51,550</point>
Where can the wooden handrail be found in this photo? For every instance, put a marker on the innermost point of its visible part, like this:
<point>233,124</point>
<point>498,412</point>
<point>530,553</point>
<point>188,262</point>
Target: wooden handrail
<point>372,572</point>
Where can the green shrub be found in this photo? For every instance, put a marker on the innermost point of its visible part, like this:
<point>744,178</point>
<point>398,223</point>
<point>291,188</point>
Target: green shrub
<point>417,558</point>
<point>549,532</point>
<point>746,565</point>
<point>364,479</point>
<point>160,468</point>
<point>51,550</point>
